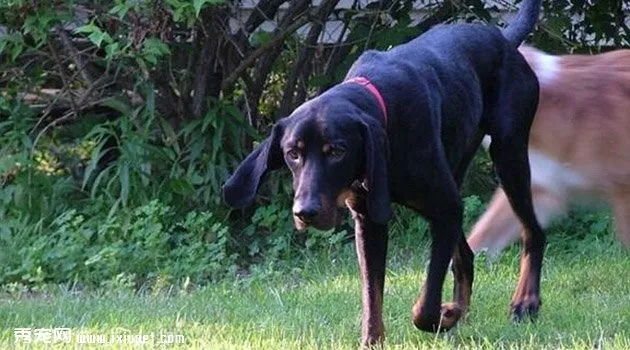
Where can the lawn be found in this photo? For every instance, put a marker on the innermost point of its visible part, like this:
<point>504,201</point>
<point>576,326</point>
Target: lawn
<point>316,304</point>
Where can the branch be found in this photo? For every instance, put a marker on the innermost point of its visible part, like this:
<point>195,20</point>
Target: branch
<point>265,10</point>
<point>75,55</point>
<point>307,52</point>
<point>64,80</point>
<point>254,55</point>
<point>200,84</point>
<point>254,86</point>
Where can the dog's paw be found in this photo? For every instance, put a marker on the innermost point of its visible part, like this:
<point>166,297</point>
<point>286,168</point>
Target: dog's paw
<point>372,334</point>
<point>450,313</point>
<point>371,344</point>
<point>526,307</point>
<point>372,341</point>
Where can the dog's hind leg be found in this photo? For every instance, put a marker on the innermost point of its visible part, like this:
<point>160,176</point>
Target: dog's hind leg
<point>512,167</point>
<point>463,258</point>
<point>446,229</point>
<point>509,125</point>
<point>445,216</point>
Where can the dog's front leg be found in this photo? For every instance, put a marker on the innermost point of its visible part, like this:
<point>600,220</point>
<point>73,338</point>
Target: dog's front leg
<point>428,313</point>
<point>371,244</point>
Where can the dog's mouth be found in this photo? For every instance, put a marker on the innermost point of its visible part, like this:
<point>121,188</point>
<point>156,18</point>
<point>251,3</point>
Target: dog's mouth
<point>325,221</point>
<point>330,215</point>
<point>322,224</point>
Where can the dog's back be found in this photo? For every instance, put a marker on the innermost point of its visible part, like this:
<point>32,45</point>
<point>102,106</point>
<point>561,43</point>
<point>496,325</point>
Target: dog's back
<point>584,115</point>
<point>578,143</point>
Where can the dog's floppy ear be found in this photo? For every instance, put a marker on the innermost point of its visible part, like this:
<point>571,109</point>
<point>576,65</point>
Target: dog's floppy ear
<point>376,150</point>
<point>240,189</point>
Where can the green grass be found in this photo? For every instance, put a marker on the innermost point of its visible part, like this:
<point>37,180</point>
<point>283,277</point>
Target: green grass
<point>316,304</point>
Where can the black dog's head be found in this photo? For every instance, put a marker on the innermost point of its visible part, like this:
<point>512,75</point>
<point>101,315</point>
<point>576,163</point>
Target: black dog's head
<point>328,143</point>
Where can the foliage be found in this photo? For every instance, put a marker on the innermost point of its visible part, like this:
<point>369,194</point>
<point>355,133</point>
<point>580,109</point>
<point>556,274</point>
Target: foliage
<point>144,244</point>
<point>272,227</point>
<point>147,245</point>
<point>118,111</point>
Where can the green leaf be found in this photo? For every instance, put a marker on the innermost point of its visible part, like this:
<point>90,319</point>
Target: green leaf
<point>120,10</point>
<point>179,9</point>
<point>196,179</point>
<point>151,59</point>
<point>88,28</point>
<point>112,49</point>
<point>98,37</point>
<point>98,179</point>
<point>153,49</point>
<point>117,105</point>
<point>16,51</point>
<point>156,46</point>
<point>124,182</point>
<point>260,37</point>
<point>181,186</point>
<point>199,4</point>
<point>3,45</point>
<point>97,154</point>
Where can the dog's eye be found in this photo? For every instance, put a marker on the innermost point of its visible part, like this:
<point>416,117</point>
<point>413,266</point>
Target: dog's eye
<point>337,152</point>
<point>293,154</point>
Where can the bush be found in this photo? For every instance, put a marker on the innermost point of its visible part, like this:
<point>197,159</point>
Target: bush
<point>148,243</point>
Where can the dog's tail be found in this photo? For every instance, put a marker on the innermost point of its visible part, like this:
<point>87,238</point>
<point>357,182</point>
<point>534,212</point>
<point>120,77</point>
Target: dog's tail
<point>523,22</point>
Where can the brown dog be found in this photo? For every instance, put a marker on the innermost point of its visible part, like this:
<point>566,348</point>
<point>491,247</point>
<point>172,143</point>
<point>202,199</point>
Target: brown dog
<point>578,145</point>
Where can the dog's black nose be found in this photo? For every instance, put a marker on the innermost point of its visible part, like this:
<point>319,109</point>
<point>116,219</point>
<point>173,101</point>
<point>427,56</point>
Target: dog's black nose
<point>306,214</point>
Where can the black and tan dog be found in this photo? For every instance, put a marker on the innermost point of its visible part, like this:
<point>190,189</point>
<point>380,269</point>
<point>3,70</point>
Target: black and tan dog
<point>403,127</point>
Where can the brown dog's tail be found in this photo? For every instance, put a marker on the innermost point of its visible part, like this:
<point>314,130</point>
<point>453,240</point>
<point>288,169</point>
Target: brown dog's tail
<point>523,22</point>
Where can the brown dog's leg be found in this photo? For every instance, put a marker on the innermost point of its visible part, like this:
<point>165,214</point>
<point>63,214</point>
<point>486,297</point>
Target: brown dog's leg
<point>496,228</point>
<point>499,226</point>
<point>371,244</point>
<point>621,211</point>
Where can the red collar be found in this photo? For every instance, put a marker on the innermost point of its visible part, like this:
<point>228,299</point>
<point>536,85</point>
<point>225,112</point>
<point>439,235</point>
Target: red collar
<point>365,82</point>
